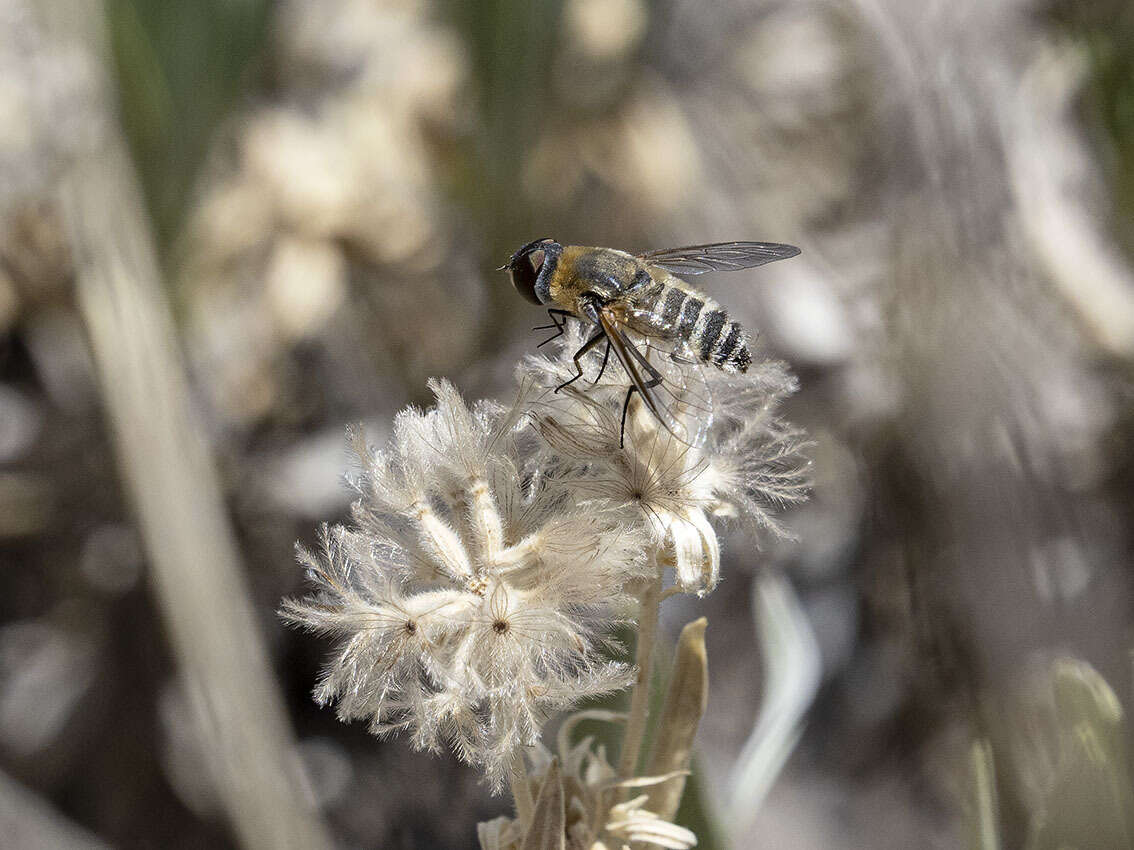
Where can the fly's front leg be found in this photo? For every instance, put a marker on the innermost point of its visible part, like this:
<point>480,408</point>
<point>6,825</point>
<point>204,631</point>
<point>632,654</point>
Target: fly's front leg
<point>589,305</point>
<point>558,321</point>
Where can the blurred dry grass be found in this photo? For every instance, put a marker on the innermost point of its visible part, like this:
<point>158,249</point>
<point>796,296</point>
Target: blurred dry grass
<point>330,184</point>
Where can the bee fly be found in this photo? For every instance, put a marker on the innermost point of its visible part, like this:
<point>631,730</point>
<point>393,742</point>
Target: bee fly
<point>617,292</point>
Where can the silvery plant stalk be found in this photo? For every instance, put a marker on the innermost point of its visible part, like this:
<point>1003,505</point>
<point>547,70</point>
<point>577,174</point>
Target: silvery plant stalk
<point>493,553</point>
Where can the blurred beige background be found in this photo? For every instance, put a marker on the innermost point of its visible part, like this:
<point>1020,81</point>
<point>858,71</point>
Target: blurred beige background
<point>229,229</point>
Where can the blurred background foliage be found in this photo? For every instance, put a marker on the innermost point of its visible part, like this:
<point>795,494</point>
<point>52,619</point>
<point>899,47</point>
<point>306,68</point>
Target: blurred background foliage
<point>181,68</point>
<point>1106,31</point>
<point>330,184</point>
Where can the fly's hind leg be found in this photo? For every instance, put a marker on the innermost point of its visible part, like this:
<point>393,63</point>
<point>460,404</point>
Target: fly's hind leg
<point>605,360</point>
<point>682,354</point>
<point>655,380</point>
<point>599,336</point>
<point>625,408</point>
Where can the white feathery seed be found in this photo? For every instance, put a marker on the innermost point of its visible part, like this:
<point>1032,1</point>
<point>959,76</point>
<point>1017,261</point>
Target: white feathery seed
<point>461,622</point>
<point>747,463</point>
<point>494,549</point>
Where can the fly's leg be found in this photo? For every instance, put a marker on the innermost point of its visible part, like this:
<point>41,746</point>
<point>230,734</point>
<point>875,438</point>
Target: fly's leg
<point>578,355</point>
<point>558,321</point>
<point>683,358</point>
<point>655,380</point>
<point>655,375</point>
<point>553,313</point>
<point>605,359</point>
<point>625,408</point>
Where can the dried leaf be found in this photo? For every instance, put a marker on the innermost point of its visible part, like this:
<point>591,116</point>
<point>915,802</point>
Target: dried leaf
<point>495,834</point>
<point>984,819</point>
<point>685,703</point>
<point>549,820</point>
<point>1091,800</point>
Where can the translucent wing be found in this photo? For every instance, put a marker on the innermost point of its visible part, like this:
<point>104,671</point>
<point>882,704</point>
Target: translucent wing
<point>686,389</point>
<point>720,256</point>
<point>668,378</point>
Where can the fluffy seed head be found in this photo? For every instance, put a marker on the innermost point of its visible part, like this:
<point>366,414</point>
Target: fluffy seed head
<point>745,464</point>
<point>474,599</point>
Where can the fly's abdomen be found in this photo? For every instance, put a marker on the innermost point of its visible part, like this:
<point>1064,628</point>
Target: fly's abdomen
<point>718,340</point>
<point>731,351</point>
<point>701,323</point>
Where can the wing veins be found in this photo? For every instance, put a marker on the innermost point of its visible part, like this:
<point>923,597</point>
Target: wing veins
<point>622,346</point>
<point>718,256</point>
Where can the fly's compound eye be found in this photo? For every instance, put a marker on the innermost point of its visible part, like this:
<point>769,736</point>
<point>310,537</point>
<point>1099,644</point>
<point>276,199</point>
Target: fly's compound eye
<point>524,273</point>
<point>528,263</point>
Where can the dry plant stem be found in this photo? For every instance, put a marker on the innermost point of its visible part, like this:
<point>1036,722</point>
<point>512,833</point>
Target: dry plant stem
<point>521,790</point>
<point>649,602</point>
<point>173,488</point>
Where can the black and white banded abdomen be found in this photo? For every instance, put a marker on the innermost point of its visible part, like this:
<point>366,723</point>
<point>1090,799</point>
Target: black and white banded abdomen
<point>701,323</point>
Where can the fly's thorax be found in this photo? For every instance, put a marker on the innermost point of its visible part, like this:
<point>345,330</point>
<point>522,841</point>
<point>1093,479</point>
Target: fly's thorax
<point>602,272</point>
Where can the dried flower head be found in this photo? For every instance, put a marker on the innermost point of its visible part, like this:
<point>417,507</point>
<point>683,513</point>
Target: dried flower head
<point>595,816</point>
<point>744,462</point>
<point>474,597</point>
<point>493,549</point>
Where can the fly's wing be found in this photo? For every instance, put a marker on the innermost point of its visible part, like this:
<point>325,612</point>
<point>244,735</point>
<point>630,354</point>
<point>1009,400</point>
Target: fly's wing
<point>672,386</point>
<point>720,256</point>
<point>632,362</point>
